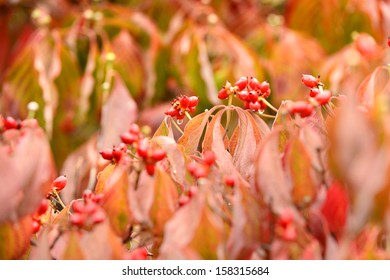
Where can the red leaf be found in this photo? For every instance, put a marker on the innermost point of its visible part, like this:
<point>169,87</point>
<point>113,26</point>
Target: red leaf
<point>335,208</point>
<point>270,178</point>
<point>119,112</point>
<point>26,174</point>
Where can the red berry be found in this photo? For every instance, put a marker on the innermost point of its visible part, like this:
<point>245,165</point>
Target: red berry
<point>388,41</point>
<point>310,81</point>
<point>242,83</point>
<point>263,105</point>
<point>255,106</point>
<point>264,87</point>
<point>286,218</point>
<point>254,84</point>
<point>43,207</point>
<point>191,109</point>
<point>138,254</point>
<point>289,233</point>
<point>78,206</point>
<point>191,167</point>
<point>243,95</point>
<point>158,154</point>
<point>314,92</point>
<point>129,138</point>
<point>200,172</point>
<point>107,154</point>
<point>247,105</point>
<point>90,207</point>
<point>117,153</point>
<point>253,96</point>
<point>143,149</point>
<point>301,107</point>
<point>267,93</point>
<point>173,112</point>
<point>183,200</point>
<point>209,158</point>
<point>77,219</point>
<point>192,191</point>
<point>134,129</point>
<point>87,195</point>
<point>229,180</point>
<point>97,198</point>
<point>10,123</point>
<point>323,97</point>
<point>60,182</point>
<point>223,94</point>
<point>98,217</point>
<point>150,168</point>
<point>194,100</point>
<point>36,225</point>
<point>184,101</point>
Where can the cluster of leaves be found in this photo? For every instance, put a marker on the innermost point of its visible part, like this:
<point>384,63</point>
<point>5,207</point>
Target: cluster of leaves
<point>311,182</point>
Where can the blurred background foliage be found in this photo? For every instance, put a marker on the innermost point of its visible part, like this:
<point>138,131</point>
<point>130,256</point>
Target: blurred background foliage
<point>64,54</point>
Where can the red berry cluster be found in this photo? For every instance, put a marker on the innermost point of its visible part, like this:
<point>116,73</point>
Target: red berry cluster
<point>201,168</point>
<point>11,123</point>
<point>59,183</point>
<point>87,212</point>
<point>317,93</point>
<point>186,197</point>
<point>318,97</point>
<point>249,90</point>
<point>150,155</point>
<point>36,218</point>
<point>114,154</point>
<point>135,141</point>
<point>181,105</point>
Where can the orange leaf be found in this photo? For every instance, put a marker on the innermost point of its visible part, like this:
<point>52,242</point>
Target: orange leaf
<point>301,173</point>
<point>116,204</point>
<point>103,177</point>
<point>165,201</point>
<point>15,238</point>
<point>73,249</point>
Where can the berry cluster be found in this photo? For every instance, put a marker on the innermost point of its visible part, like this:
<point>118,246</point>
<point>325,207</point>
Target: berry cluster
<point>11,123</point>
<point>87,212</point>
<point>36,218</point>
<point>135,144</point>
<point>249,90</point>
<point>149,155</point>
<point>182,105</point>
<point>115,154</point>
<point>201,168</point>
<point>318,97</point>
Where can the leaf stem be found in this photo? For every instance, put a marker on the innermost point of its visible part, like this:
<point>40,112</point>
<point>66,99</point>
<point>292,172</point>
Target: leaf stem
<point>177,127</point>
<point>266,115</point>
<point>268,104</point>
<point>59,198</point>
<point>188,115</point>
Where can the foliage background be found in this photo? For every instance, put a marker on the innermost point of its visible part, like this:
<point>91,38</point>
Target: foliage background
<point>60,55</point>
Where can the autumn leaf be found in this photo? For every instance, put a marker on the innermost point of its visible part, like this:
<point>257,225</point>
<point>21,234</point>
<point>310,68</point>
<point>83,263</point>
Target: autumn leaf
<point>194,232</point>
<point>301,175</point>
<point>116,203</point>
<point>15,238</point>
